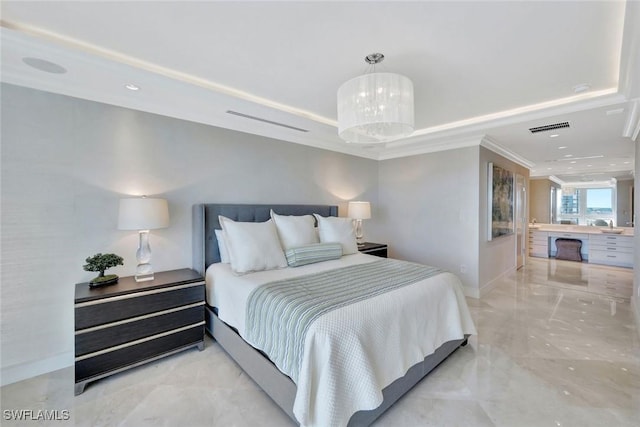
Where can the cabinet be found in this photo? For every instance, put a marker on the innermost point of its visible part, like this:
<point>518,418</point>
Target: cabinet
<point>538,243</point>
<point>611,250</point>
<point>377,249</point>
<point>122,326</point>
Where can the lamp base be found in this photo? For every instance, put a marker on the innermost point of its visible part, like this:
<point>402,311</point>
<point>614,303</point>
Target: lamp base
<point>144,272</point>
<point>143,277</point>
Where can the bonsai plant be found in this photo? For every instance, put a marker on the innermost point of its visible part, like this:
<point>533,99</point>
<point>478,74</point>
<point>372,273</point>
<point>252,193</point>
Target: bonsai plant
<point>101,262</point>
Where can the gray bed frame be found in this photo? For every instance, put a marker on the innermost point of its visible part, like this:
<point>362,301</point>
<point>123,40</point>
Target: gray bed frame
<point>277,385</point>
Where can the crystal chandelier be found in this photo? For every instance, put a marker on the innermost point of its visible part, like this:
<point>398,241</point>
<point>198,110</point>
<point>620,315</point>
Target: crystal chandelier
<point>375,107</point>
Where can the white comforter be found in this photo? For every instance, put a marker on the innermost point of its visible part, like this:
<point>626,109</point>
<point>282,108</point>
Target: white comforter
<point>352,353</point>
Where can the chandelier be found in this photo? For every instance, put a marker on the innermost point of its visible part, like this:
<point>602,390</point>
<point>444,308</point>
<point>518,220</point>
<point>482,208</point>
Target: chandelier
<point>375,107</point>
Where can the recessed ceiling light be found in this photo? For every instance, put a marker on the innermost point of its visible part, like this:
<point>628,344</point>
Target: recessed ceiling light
<point>589,165</point>
<point>44,65</point>
<point>570,167</point>
<point>131,86</point>
<point>573,161</point>
<point>562,148</point>
<point>582,87</point>
<point>626,163</point>
<point>612,164</point>
<point>568,155</point>
<point>548,169</point>
<point>554,135</point>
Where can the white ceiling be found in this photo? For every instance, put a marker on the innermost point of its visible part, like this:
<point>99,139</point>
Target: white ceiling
<point>480,69</point>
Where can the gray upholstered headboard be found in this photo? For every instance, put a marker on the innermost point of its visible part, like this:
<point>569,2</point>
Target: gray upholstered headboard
<point>205,221</point>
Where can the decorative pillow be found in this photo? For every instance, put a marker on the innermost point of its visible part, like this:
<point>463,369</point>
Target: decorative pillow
<point>294,230</point>
<point>316,252</point>
<point>222,247</point>
<point>252,246</point>
<point>340,230</point>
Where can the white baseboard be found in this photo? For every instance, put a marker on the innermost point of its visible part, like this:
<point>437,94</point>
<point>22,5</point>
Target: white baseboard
<point>487,287</point>
<point>478,293</point>
<point>23,371</point>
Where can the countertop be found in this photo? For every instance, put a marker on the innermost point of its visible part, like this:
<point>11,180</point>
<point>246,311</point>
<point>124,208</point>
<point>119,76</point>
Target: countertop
<point>583,229</point>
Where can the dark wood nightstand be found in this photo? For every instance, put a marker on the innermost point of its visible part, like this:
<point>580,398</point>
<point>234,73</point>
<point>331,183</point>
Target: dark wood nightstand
<point>125,325</point>
<point>377,249</point>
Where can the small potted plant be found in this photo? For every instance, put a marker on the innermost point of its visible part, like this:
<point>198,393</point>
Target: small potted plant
<point>101,262</point>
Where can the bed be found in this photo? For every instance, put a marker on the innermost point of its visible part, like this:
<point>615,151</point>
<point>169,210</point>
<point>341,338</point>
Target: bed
<point>224,322</point>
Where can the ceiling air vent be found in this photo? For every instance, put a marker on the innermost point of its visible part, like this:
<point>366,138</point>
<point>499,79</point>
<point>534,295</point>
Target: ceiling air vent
<point>247,116</point>
<point>546,128</point>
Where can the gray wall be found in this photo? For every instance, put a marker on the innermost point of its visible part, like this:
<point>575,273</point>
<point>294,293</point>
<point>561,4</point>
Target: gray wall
<point>624,216</point>
<point>429,210</point>
<point>498,256</point>
<point>540,200</point>
<point>435,212</point>
<point>65,164</point>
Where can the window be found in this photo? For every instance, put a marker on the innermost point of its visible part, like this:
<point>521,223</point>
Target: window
<point>570,203</point>
<point>587,206</point>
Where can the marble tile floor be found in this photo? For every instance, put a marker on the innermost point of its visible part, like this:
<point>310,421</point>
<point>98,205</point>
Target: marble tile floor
<point>551,351</point>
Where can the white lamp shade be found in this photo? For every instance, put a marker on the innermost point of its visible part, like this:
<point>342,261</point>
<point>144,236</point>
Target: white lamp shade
<point>359,210</point>
<point>143,214</point>
<point>375,107</point>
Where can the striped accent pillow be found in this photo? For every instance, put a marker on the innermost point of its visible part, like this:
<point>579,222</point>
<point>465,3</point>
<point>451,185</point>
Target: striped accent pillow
<point>315,252</point>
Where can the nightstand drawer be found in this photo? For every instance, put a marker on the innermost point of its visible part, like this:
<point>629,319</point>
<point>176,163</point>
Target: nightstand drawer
<point>136,353</point>
<point>112,309</point>
<point>113,334</point>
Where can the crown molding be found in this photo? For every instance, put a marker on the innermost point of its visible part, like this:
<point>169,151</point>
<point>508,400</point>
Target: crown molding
<point>492,145</point>
<point>429,146</point>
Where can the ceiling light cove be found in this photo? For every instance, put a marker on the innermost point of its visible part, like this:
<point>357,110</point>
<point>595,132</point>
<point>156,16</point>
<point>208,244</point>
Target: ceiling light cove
<point>570,158</point>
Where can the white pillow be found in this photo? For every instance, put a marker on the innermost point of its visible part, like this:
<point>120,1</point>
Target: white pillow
<point>222,247</point>
<point>334,229</point>
<point>252,246</point>
<point>295,231</point>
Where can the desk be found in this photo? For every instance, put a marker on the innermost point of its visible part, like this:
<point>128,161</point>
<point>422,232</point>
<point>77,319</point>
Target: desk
<point>598,247</point>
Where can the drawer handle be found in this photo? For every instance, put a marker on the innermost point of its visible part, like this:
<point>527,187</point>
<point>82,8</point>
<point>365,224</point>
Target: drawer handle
<point>611,256</point>
<point>611,249</point>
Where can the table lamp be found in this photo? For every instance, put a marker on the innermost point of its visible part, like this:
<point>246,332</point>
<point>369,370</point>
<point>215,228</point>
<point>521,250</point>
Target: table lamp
<point>359,211</point>
<point>143,214</point>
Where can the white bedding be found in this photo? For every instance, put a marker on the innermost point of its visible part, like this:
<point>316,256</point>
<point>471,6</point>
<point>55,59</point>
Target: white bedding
<point>352,353</point>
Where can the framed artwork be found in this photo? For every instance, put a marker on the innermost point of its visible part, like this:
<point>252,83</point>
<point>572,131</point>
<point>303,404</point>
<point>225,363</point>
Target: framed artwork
<point>500,189</point>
